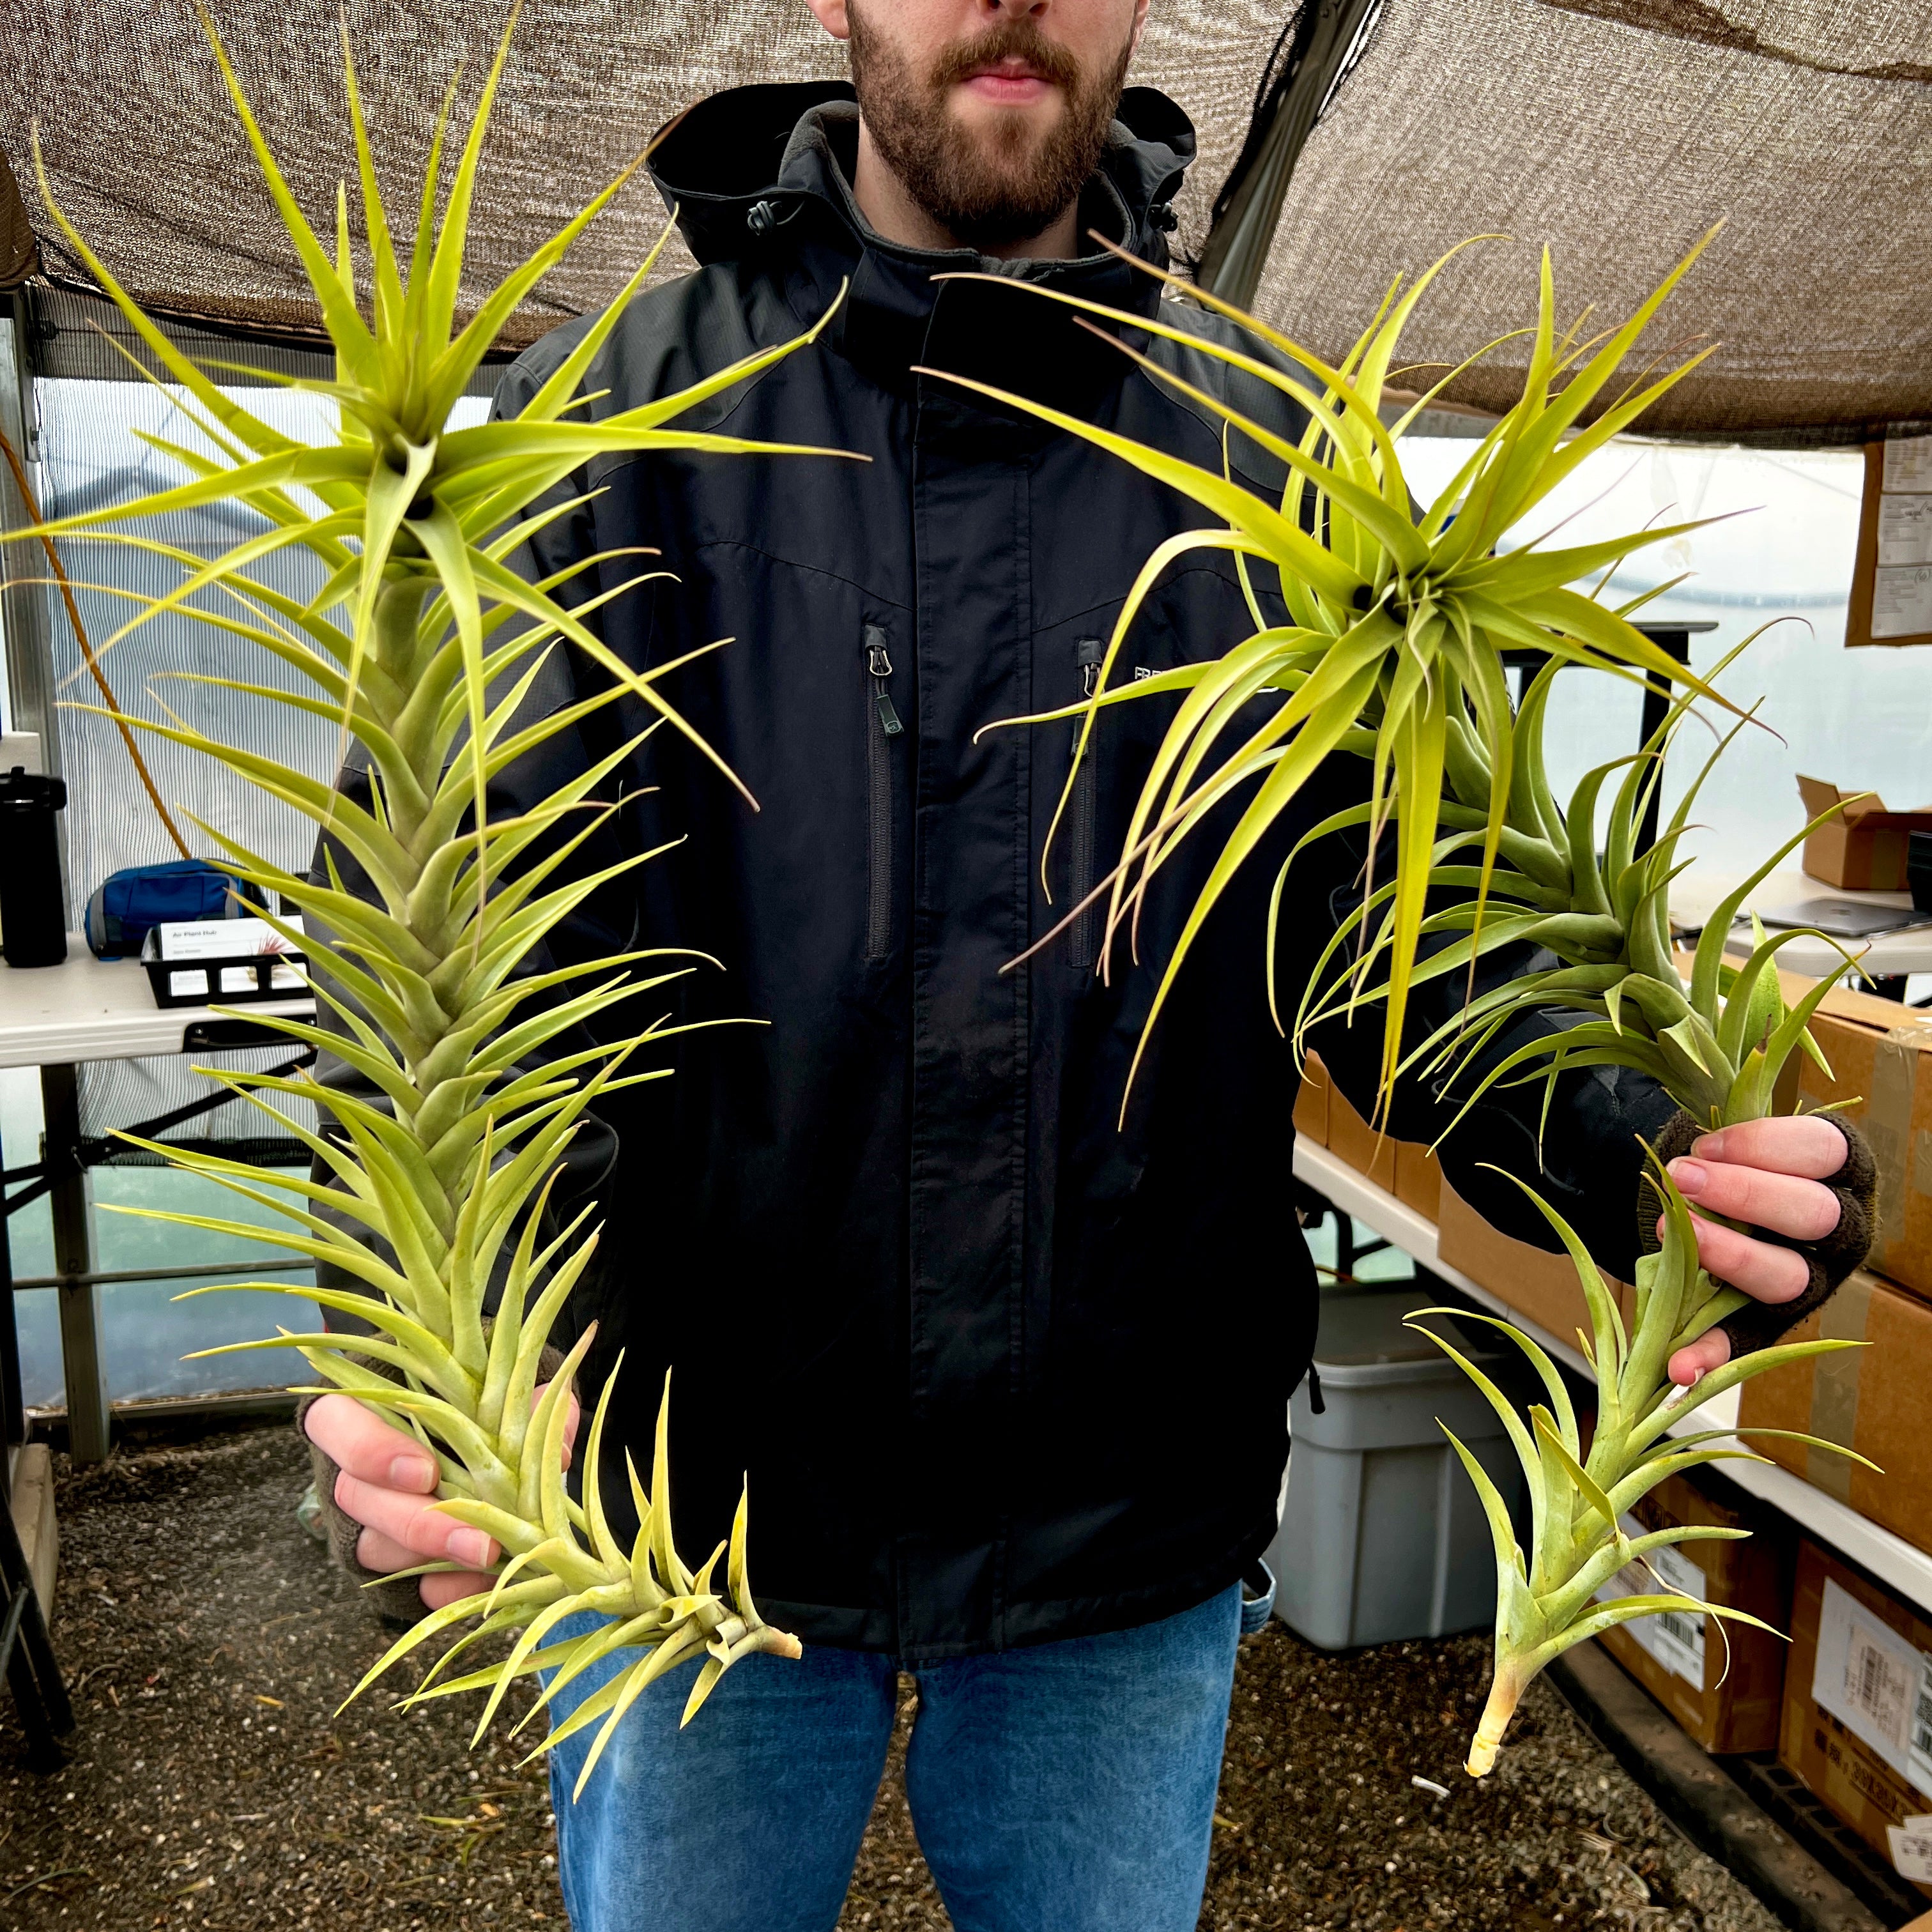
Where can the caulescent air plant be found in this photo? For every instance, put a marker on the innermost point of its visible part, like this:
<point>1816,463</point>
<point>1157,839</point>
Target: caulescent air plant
<point>1397,623</point>
<point>422,643</point>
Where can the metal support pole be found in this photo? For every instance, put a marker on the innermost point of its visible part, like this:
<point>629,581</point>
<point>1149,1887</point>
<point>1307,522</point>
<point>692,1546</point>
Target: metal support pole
<point>81,1359</point>
<point>13,1405</point>
<point>26,612</point>
<point>1675,639</point>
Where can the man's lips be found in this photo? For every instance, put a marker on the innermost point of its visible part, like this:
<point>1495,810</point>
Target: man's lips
<point>1008,86</point>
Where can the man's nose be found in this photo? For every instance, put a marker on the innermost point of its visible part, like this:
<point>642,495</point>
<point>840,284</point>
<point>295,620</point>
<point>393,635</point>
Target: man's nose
<point>1015,10</point>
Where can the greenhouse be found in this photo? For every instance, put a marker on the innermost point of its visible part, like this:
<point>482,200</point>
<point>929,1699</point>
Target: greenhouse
<point>967,963</point>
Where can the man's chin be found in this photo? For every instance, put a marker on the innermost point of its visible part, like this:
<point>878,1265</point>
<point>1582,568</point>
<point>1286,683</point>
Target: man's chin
<point>1019,128</point>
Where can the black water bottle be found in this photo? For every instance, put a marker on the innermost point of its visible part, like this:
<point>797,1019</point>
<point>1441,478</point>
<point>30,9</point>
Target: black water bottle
<point>33,920</point>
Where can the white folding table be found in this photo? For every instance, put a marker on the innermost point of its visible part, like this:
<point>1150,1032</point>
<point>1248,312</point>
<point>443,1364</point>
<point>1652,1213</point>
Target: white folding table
<point>53,1018</point>
<point>1887,960</point>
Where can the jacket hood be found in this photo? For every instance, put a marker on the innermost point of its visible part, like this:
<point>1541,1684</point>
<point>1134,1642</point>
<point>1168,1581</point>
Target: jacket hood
<point>761,175</point>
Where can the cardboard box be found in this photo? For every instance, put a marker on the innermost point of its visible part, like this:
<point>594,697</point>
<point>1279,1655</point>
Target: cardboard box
<point>1537,1284</point>
<point>1365,1148</point>
<point>1311,1102</point>
<point>1881,1059</point>
<point>1407,1168</point>
<point>1862,850</point>
<point>1857,1678</point>
<point>1876,1399</point>
<point>1728,1699</point>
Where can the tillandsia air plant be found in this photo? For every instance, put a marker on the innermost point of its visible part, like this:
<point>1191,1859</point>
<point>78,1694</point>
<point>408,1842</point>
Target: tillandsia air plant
<point>1718,1042</point>
<point>1399,621</point>
<point>1579,1500</point>
<point>423,642</point>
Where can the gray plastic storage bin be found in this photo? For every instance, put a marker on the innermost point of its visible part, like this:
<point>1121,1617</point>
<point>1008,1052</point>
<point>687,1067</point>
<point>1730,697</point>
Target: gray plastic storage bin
<point>1382,1536</point>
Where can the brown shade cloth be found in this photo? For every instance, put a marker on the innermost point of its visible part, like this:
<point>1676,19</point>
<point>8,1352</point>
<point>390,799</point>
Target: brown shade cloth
<point>1616,130</point>
<point>1619,130</point>
<point>144,155</point>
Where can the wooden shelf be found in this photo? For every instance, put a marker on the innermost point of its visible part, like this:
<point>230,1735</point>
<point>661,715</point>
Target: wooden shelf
<point>1889,1558</point>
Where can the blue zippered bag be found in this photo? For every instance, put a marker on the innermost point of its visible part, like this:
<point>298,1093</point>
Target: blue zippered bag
<point>129,903</point>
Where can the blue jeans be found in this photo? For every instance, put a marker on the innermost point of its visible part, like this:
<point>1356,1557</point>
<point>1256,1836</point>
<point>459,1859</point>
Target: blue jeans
<point>1066,1787</point>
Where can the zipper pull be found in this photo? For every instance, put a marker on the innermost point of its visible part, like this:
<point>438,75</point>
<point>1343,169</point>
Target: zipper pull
<point>1086,654</point>
<point>881,666</point>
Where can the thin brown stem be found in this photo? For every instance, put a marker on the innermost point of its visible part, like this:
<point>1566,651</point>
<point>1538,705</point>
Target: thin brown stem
<point>107,697</point>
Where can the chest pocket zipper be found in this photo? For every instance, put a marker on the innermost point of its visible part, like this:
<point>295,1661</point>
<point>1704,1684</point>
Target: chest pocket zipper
<point>1083,942</point>
<point>882,726</point>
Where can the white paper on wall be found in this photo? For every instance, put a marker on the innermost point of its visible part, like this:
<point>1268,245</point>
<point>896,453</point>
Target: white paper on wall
<point>1908,464</point>
<point>1904,530</point>
<point>1902,602</point>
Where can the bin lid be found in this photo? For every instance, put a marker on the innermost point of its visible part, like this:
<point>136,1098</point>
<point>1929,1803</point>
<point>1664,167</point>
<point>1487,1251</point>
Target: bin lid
<point>1364,1328</point>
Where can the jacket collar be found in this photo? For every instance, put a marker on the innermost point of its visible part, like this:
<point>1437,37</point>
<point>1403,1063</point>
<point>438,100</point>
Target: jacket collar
<point>760,176</point>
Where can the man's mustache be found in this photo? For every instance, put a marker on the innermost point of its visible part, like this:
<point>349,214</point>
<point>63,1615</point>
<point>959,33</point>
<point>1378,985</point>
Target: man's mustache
<point>1011,40</point>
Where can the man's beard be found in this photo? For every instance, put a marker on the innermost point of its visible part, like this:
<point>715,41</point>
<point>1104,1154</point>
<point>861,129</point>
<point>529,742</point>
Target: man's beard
<point>1008,184</point>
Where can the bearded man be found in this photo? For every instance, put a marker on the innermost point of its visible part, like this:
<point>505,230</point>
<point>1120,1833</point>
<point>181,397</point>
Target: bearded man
<point>1011,1380</point>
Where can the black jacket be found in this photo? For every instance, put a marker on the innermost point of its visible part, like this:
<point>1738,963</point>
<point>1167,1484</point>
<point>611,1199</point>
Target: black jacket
<point>1000,1370</point>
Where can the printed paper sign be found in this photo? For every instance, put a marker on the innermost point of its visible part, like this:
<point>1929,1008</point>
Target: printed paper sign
<point>1875,1683</point>
<point>1675,1638</point>
<point>1904,530</point>
<point>1912,1849</point>
<point>1908,464</point>
<point>1902,602</point>
<point>221,938</point>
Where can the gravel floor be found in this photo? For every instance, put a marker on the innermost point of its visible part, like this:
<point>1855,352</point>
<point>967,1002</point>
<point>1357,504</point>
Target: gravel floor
<point>209,1786</point>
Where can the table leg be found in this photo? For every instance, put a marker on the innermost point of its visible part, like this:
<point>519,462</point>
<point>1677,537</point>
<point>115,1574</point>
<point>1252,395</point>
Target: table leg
<point>27,1657</point>
<point>85,1371</point>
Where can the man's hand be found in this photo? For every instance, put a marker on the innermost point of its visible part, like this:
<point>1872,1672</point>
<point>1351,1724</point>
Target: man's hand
<point>1767,1174</point>
<point>388,1483</point>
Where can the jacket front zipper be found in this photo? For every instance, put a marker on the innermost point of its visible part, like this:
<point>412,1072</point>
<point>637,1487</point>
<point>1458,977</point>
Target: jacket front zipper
<point>882,727</point>
<point>1082,807</point>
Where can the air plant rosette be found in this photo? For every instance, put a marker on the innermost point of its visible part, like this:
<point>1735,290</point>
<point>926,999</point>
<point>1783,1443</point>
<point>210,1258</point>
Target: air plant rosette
<point>1397,623</point>
<point>432,1184</point>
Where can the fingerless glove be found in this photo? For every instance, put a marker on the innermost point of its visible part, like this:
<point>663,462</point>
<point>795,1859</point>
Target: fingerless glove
<point>1828,1259</point>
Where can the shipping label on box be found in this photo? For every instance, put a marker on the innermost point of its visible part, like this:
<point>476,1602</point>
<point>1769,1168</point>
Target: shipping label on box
<point>1724,1687</point>
<point>1911,1844</point>
<point>1674,1638</point>
<point>1876,1682</point>
<point>1855,1719</point>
